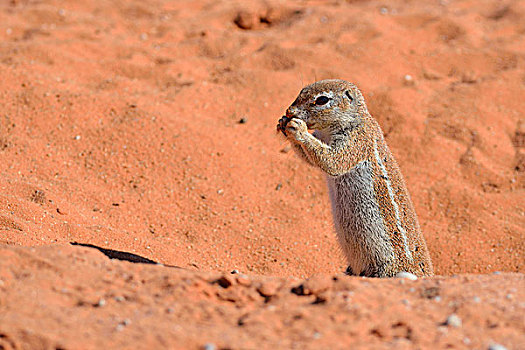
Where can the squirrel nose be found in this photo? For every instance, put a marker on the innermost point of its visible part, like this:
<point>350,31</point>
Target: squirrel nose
<point>291,112</point>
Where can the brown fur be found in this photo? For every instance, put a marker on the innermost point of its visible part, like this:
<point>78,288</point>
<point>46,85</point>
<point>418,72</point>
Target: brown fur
<point>374,217</point>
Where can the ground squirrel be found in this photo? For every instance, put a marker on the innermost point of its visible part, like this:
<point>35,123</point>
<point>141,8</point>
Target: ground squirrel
<point>375,220</point>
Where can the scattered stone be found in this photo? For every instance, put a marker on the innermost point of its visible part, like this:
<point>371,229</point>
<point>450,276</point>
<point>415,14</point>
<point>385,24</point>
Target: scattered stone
<point>408,80</point>
<point>496,346</point>
<point>269,288</point>
<point>406,275</point>
<point>245,20</point>
<point>243,280</point>
<point>243,120</point>
<point>209,346</point>
<point>317,284</point>
<point>235,272</point>
<point>431,75</point>
<point>453,321</point>
<point>469,77</point>
<point>101,303</point>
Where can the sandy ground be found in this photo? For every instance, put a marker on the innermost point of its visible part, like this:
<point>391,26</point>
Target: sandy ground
<point>149,128</point>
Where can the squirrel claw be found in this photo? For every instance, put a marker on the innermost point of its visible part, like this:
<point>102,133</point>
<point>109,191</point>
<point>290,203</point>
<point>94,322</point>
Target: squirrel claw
<point>281,126</point>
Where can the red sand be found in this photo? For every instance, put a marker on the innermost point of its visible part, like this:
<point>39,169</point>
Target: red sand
<point>119,127</point>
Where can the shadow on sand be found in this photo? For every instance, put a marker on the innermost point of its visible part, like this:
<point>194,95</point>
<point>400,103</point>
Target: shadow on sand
<point>119,255</point>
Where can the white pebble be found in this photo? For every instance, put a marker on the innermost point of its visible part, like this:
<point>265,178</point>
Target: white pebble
<point>454,321</point>
<point>497,347</point>
<point>407,275</point>
<point>210,346</point>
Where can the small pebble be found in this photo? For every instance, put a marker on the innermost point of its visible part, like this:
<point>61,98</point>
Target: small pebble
<point>268,288</point>
<point>101,303</point>
<point>408,80</point>
<point>210,346</point>
<point>453,321</point>
<point>243,121</point>
<point>235,272</point>
<point>407,275</point>
<point>497,347</point>
<point>317,284</point>
<point>243,280</point>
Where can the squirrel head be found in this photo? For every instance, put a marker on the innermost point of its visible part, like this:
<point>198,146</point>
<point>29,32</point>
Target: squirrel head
<point>329,104</point>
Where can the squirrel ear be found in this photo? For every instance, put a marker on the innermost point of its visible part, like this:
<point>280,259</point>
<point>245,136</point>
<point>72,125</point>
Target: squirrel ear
<point>349,96</point>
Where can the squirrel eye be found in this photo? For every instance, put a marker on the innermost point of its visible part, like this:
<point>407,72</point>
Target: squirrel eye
<point>321,100</point>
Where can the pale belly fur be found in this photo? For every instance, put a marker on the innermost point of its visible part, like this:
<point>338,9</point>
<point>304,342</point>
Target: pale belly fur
<point>358,222</point>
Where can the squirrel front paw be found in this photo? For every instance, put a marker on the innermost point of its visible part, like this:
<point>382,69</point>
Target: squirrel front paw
<point>281,125</point>
<point>296,129</point>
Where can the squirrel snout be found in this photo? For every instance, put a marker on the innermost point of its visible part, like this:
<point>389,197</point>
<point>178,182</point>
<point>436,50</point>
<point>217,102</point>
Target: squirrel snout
<point>291,112</point>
